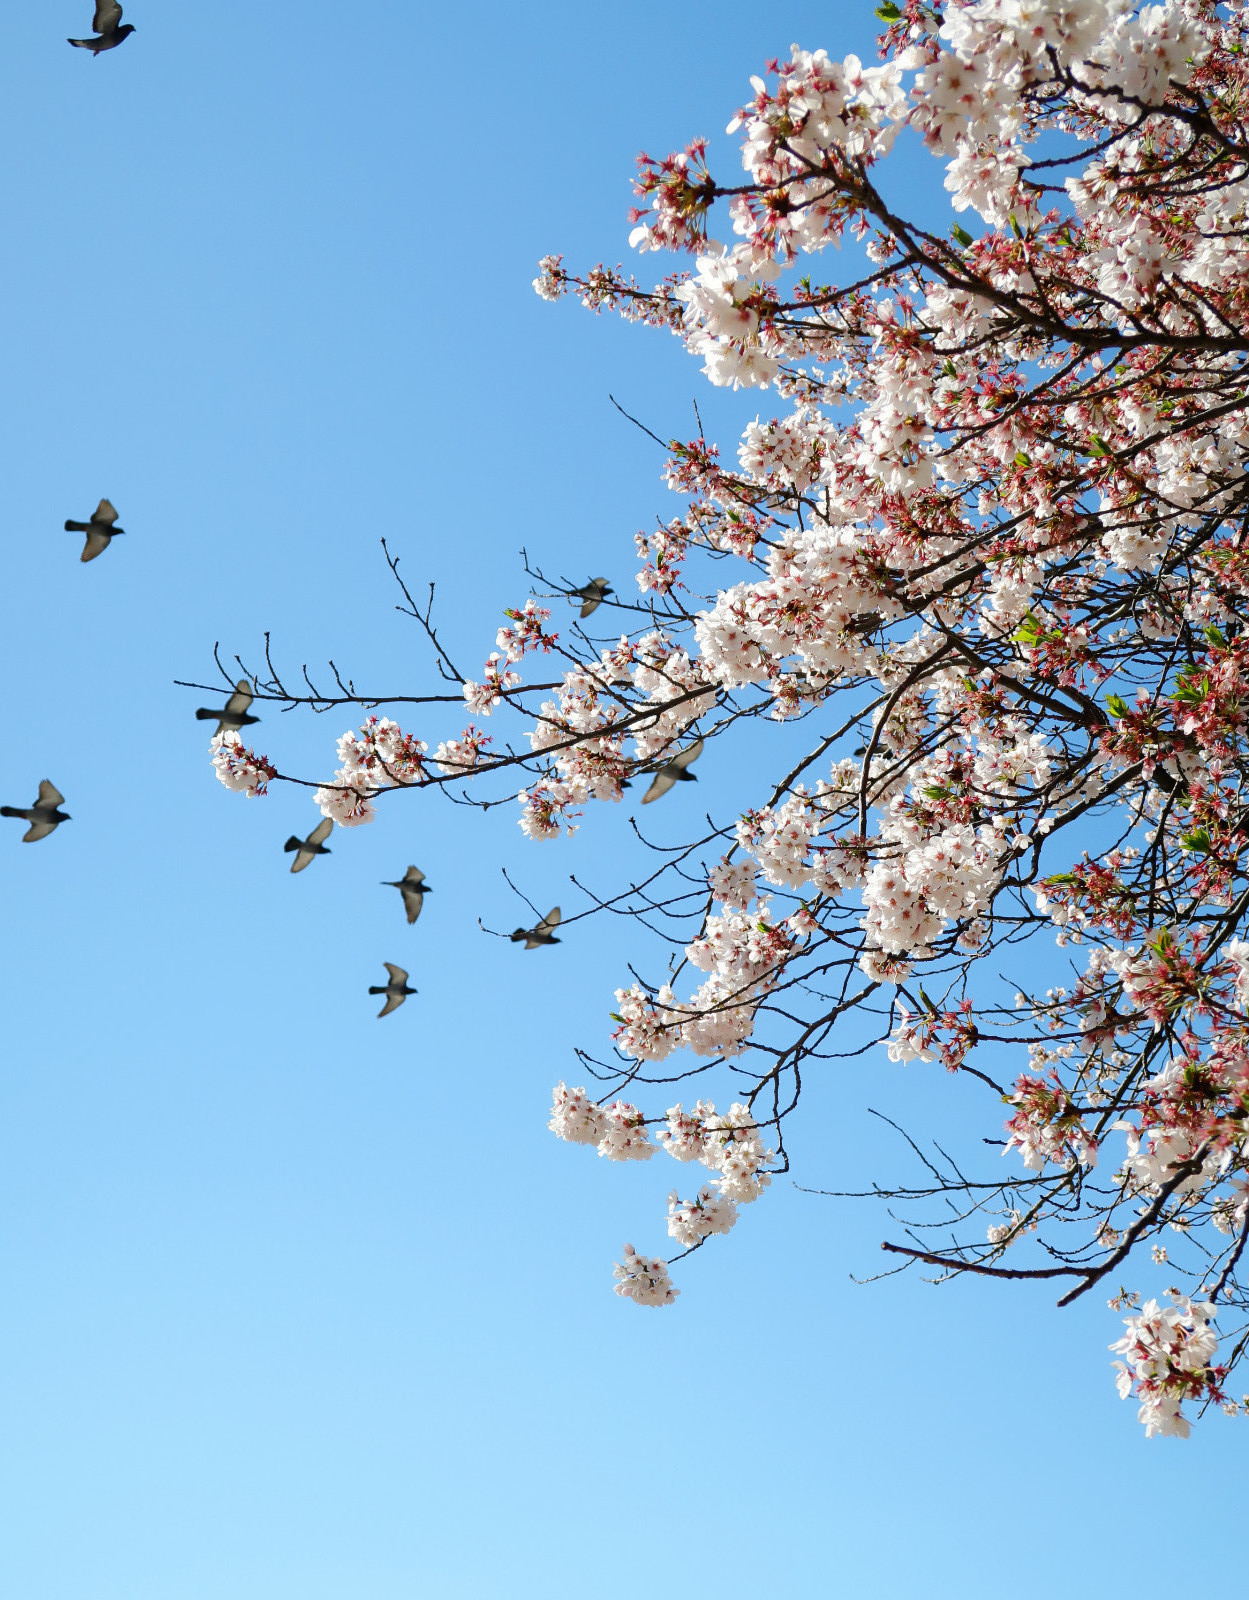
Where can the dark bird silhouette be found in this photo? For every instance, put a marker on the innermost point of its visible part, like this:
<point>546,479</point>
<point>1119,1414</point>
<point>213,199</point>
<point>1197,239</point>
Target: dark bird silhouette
<point>540,933</point>
<point>592,594</point>
<point>100,531</point>
<point>396,991</point>
<point>108,24</point>
<point>233,715</point>
<point>313,845</point>
<point>43,816</point>
<point>413,888</point>
<point>674,771</point>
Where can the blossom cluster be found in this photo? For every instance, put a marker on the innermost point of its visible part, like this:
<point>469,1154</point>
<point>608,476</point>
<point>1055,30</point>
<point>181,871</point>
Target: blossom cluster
<point>1168,1357</point>
<point>729,1144</point>
<point>380,756</point>
<point>239,767</point>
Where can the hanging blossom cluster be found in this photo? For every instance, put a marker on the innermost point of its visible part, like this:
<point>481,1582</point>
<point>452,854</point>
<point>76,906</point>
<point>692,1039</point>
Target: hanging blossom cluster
<point>1167,1359</point>
<point>961,629</point>
<point>729,1144</point>
<point>239,767</point>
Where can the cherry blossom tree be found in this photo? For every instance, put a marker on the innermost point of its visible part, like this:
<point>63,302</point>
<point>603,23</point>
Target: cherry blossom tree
<point>980,584</point>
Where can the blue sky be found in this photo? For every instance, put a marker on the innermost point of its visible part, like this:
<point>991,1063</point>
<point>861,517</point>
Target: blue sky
<point>297,1305</point>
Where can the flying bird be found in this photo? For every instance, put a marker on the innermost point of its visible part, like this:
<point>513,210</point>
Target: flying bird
<point>396,991</point>
<point>413,888</point>
<point>540,933</point>
<point>674,771</point>
<point>100,531</point>
<point>592,594</point>
<point>108,24</point>
<point>233,715</point>
<point>313,845</point>
<point>43,816</point>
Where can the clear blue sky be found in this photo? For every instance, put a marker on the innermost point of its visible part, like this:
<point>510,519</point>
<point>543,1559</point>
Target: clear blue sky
<point>296,1305</point>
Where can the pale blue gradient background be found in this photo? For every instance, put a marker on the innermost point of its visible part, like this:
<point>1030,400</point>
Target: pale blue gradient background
<point>295,1305</point>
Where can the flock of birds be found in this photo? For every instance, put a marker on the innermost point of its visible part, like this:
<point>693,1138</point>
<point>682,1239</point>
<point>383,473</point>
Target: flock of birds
<point>45,816</point>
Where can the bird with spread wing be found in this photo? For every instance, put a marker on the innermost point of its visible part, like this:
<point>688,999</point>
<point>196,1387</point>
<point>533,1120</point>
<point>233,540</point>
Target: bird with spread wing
<point>396,991</point>
<point>592,595</point>
<point>109,28</point>
<point>44,816</point>
<point>540,933</point>
<point>413,888</point>
<point>307,850</point>
<point>100,531</point>
<point>233,715</point>
<point>674,771</point>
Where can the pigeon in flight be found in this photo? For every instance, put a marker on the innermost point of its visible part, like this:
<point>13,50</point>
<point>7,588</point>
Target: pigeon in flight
<point>100,531</point>
<point>593,594</point>
<point>313,845</point>
<point>108,24</point>
<point>540,933</point>
<point>396,991</point>
<point>43,816</point>
<point>233,715</point>
<point>413,888</point>
<point>674,771</point>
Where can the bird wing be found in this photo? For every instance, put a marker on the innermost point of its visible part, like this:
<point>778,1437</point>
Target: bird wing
<point>242,697</point>
<point>106,511</point>
<point>549,922</point>
<point>593,593</point>
<point>393,1002</point>
<point>414,875</point>
<point>49,795</point>
<point>107,20</point>
<point>40,828</point>
<point>660,784</point>
<point>413,900</point>
<point>96,541</point>
<point>685,758</point>
<point>302,858</point>
<point>322,831</point>
<point>397,974</point>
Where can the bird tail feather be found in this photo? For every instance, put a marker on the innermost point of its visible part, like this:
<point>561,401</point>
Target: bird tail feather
<point>76,527</point>
<point>292,843</point>
<point>9,811</point>
<point>206,716</point>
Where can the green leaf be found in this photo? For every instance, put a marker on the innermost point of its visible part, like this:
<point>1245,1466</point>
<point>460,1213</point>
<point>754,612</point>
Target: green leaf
<point>888,12</point>
<point>1022,458</point>
<point>1029,631</point>
<point>615,1016</point>
<point>1117,705</point>
<point>1215,637</point>
<point>1198,840</point>
<point>961,236</point>
<point>1014,226</point>
<point>1098,446</point>
<point>1192,691</point>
